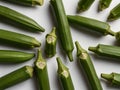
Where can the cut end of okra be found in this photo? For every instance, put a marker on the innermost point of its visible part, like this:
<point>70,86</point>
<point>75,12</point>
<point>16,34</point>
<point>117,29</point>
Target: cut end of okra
<point>38,2</point>
<point>61,66</point>
<point>108,77</point>
<point>29,70</point>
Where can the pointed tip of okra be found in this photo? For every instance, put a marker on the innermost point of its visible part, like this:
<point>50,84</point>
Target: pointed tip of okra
<point>36,43</point>
<point>107,76</point>
<point>70,56</point>
<point>29,70</point>
<point>61,66</point>
<point>38,2</point>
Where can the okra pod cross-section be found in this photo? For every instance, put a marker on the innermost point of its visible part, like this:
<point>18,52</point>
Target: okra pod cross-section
<point>16,77</point>
<point>106,50</point>
<point>114,13</point>
<point>91,24</point>
<point>63,27</point>
<point>41,72</point>
<point>17,19</point>
<point>27,2</point>
<point>51,39</point>
<point>64,75</point>
<point>84,5</point>
<point>86,63</point>
<point>113,78</point>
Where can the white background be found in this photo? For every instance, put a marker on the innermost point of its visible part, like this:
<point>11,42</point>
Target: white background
<point>43,16</point>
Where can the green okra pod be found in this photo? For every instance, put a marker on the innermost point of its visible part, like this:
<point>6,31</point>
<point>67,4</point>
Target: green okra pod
<point>63,27</point>
<point>27,2</point>
<point>10,56</point>
<point>19,40</point>
<point>88,67</point>
<point>113,78</point>
<point>16,77</point>
<point>84,5</point>
<point>13,17</point>
<point>106,50</point>
<point>41,72</point>
<point>114,13</point>
<point>50,46</point>
<point>103,4</point>
<point>91,24</point>
<point>64,75</point>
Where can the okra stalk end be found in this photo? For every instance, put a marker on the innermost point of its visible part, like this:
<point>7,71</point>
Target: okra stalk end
<point>93,49</point>
<point>38,2</point>
<point>108,77</point>
<point>29,70</point>
<point>61,66</point>
<point>111,32</point>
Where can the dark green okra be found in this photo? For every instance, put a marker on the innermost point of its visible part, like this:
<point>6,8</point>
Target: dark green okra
<point>64,75</point>
<point>19,40</point>
<point>16,77</point>
<point>10,56</point>
<point>91,24</point>
<point>63,27</point>
<point>103,4</point>
<point>50,46</point>
<point>84,5</point>
<point>13,17</point>
<point>27,2</point>
<point>106,50</point>
<point>41,72</point>
<point>113,78</point>
<point>88,67</point>
<point>114,13</point>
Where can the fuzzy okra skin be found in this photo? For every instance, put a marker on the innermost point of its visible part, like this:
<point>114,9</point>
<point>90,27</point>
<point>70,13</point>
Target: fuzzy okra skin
<point>103,4</point>
<point>19,40</point>
<point>84,5</point>
<point>10,56</point>
<point>27,2</point>
<point>114,13</point>
<point>16,77</point>
<point>64,75</point>
<point>113,78</point>
<point>41,72</point>
<point>63,27</point>
<point>50,46</point>
<point>88,67</point>
<point>13,17</point>
<point>106,50</point>
<point>91,24</point>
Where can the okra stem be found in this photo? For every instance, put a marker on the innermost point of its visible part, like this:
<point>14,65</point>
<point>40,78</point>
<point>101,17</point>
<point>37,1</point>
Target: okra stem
<point>113,78</point>
<point>88,67</point>
<point>84,5</point>
<point>91,24</point>
<point>63,27</point>
<point>16,77</point>
<point>41,72</point>
<point>114,13</point>
<point>103,4</point>
<point>64,75</point>
<point>50,47</point>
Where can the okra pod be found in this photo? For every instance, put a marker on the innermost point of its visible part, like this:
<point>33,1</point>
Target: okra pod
<point>27,2</point>
<point>91,24</point>
<point>10,56</point>
<point>106,50</point>
<point>16,77</point>
<point>19,40</point>
<point>113,78</point>
<point>84,5</point>
<point>103,4</point>
<point>114,13</point>
<point>13,17</point>
<point>41,72</point>
<point>50,46</point>
<point>63,27</point>
<point>64,75</point>
<point>88,68</point>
